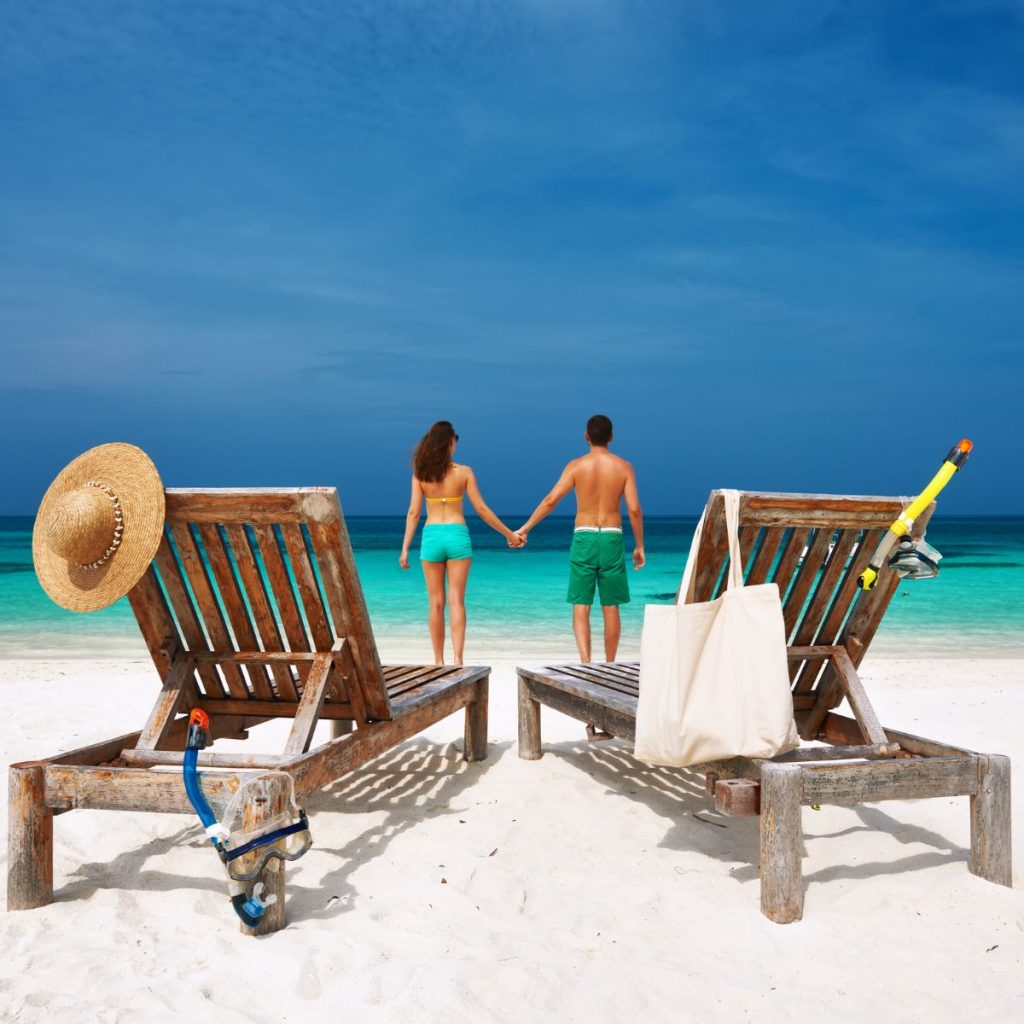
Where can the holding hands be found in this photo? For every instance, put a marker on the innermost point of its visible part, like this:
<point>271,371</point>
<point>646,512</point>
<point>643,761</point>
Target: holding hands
<point>516,539</point>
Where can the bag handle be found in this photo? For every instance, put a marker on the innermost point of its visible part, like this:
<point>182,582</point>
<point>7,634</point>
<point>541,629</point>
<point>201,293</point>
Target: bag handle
<point>731,500</point>
<point>685,595</point>
<point>732,529</point>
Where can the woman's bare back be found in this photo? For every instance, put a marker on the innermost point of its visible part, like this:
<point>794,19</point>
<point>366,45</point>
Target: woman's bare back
<point>445,498</point>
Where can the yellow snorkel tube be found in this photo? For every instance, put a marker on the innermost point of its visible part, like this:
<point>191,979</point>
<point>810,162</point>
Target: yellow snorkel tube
<point>912,560</point>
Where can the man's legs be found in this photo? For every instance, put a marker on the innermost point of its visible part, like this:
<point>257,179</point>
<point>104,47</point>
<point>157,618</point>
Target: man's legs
<point>613,589</point>
<point>581,629</point>
<point>612,630</point>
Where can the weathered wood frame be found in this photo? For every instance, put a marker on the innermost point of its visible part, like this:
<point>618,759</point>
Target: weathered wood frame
<point>858,760</point>
<point>339,678</point>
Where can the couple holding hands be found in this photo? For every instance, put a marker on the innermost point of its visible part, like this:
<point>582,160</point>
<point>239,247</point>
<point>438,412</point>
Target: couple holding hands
<point>597,558</point>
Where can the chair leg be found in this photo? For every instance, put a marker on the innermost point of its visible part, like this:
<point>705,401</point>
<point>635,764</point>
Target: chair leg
<point>341,727</point>
<point>990,821</point>
<point>474,747</point>
<point>268,799</point>
<point>782,889</point>
<point>529,724</point>
<point>30,838</point>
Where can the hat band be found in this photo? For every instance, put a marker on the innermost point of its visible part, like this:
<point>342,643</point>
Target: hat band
<point>118,525</point>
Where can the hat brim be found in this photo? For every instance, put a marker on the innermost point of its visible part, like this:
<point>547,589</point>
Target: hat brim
<point>131,475</point>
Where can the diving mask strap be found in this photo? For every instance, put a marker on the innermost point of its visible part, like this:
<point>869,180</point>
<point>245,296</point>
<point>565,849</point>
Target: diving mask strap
<point>302,825</point>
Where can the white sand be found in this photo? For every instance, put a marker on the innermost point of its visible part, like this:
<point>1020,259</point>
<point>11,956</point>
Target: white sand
<point>582,887</point>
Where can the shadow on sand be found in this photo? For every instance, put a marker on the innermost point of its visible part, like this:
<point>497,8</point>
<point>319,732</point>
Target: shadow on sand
<point>420,779</point>
<point>414,781</point>
<point>678,794</point>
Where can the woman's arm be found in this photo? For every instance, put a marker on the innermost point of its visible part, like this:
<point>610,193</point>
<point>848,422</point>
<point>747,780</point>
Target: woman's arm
<point>473,492</point>
<point>412,519</point>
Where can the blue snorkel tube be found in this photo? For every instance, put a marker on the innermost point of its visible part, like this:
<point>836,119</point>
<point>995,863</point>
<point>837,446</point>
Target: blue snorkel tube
<point>250,909</point>
<point>192,785</point>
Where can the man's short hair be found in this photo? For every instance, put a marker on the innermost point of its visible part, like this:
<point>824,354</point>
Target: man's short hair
<point>599,430</point>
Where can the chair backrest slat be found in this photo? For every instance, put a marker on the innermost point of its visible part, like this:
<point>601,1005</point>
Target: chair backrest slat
<point>347,604</point>
<point>267,630</point>
<point>266,570</point>
<point>764,560</point>
<point>238,615</point>
<point>186,617</point>
<point>823,628</point>
<point>804,578</point>
<point>813,547</point>
<point>837,561</point>
<point>209,609</point>
<point>281,590</point>
<point>305,579</point>
<point>155,621</point>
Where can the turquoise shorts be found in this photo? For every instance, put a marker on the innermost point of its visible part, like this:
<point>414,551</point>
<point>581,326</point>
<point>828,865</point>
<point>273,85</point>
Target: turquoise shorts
<point>445,542</point>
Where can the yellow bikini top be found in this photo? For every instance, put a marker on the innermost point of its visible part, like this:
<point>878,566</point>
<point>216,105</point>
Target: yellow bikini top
<point>446,501</point>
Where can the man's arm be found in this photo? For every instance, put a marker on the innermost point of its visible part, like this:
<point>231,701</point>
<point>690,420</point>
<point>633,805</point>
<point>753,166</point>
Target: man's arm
<point>565,484</point>
<point>636,518</point>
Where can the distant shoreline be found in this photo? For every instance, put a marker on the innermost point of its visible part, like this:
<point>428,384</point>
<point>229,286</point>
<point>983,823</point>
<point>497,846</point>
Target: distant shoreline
<point>409,648</point>
<point>938,517</point>
<point>517,600</point>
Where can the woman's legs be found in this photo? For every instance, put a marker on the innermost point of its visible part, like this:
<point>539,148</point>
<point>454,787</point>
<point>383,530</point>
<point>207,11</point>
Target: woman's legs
<point>433,573</point>
<point>458,574</point>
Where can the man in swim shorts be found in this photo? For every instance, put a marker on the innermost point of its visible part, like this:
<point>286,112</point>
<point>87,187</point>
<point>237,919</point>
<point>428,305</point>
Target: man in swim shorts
<point>597,559</point>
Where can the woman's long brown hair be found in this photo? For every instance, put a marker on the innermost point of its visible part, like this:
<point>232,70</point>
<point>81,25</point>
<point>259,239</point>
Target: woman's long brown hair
<point>433,455</point>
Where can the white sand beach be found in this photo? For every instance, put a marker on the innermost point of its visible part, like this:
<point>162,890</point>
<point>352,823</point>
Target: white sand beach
<point>582,887</point>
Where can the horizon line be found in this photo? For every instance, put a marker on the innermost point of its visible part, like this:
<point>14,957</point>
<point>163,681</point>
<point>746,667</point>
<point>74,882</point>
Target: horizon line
<point>564,515</point>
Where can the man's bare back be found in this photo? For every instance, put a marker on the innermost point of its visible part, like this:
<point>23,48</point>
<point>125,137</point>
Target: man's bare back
<point>600,480</point>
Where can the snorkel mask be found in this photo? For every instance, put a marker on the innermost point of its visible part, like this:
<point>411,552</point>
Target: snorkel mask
<point>913,558</point>
<point>285,836</point>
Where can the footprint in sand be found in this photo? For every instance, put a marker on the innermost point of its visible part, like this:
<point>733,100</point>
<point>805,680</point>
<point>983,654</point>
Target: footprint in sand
<point>308,985</point>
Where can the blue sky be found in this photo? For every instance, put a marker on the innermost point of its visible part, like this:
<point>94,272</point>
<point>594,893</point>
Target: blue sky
<point>778,243</point>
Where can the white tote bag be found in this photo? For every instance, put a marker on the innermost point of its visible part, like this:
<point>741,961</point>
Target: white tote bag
<point>714,678</point>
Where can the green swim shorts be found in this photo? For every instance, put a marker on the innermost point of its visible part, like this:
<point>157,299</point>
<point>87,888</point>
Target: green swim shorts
<point>445,542</point>
<point>597,558</point>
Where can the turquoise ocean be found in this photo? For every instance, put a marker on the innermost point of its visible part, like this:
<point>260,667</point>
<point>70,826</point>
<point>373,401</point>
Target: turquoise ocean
<point>516,599</point>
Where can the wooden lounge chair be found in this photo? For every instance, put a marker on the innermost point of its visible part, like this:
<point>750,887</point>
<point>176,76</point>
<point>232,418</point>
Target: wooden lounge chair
<point>252,610</point>
<point>814,547</point>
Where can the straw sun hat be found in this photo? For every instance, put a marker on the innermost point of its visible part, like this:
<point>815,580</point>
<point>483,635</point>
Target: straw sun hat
<point>98,527</point>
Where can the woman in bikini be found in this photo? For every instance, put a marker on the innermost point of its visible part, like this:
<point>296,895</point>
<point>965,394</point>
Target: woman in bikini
<point>445,548</point>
